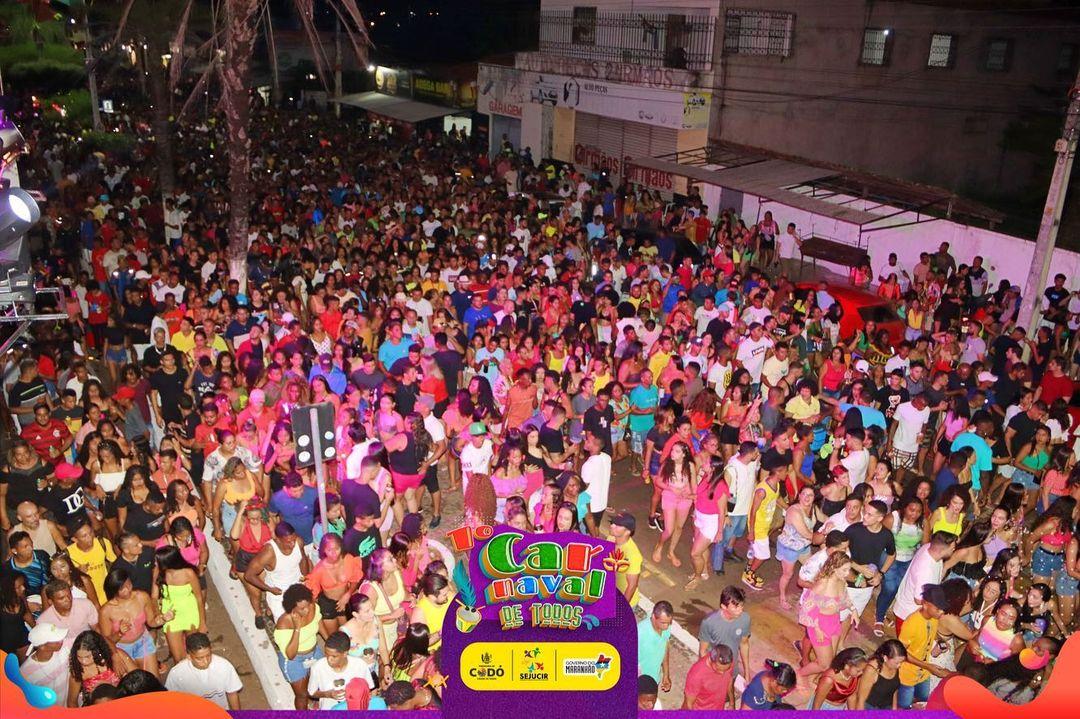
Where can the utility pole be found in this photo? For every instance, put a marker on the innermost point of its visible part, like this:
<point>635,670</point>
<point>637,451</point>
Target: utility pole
<point>1065,149</point>
<point>95,106</point>
<point>337,65</point>
<point>275,90</point>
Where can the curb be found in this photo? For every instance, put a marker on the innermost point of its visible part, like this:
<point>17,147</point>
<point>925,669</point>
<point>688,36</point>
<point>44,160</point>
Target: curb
<point>263,655</point>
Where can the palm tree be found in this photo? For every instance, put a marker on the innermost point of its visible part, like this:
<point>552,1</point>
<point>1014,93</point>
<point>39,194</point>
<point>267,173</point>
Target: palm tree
<point>231,60</point>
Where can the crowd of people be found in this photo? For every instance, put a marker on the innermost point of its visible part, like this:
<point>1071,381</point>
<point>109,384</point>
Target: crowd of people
<point>530,343</point>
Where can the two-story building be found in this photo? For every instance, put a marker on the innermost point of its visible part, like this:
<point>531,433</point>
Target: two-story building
<point>966,94</point>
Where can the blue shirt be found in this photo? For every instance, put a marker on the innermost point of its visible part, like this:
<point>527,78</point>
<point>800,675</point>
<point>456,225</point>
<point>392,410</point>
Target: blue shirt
<point>824,300</point>
<point>651,648</point>
<point>335,378</point>
<point>870,417</point>
<point>595,230</point>
<point>984,456</point>
<point>754,697</point>
<point>389,353</point>
<point>474,316</point>
<point>643,398</point>
<point>299,512</point>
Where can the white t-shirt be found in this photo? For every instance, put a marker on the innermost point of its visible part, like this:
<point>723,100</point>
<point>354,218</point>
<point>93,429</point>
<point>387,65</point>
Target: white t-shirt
<point>596,472</point>
<point>909,422</point>
<point>324,678</point>
<point>741,478</point>
<point>52,673</point>
<point>475,460</point>
<point>756,314</point>
<point>356,456</point>
<point>839,522</point>
<point>704,317</point>
<point>213,683</point>
<point>719,377</point>
<point>435,428</point>
<point>924,569</point>
<point>752,355</point>
<point>856,463</point>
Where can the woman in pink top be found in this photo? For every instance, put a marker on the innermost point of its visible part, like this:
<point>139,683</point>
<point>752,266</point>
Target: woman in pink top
<point>710,514</point>
<point>190,541</point>
<point>1056,479</point>
<point>956,421</point>
<point>508,479</point>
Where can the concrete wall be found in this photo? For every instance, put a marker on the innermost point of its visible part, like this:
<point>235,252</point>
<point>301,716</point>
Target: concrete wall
<point>1004,256</point>
<point>943,126</point>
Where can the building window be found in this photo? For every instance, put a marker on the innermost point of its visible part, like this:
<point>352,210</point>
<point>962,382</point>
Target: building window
<point>584,26</point>
<point>758,32</point>
<point>998,54</point>
<point>877,42</point>
<point>1067,57</point>
<point>942,50</point>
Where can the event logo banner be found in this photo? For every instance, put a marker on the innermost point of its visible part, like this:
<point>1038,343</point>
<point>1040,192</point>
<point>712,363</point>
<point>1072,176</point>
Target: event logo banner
<point>538,619</point>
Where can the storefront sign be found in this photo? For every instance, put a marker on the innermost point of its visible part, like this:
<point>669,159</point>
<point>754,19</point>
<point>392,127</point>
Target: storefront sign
<point>441,91</point>
<point>653,179</point>
<point>696,106</point>
<point>587,156</point>
<point>662,78</point>
<point>498,107</point>
<point>389,81</point>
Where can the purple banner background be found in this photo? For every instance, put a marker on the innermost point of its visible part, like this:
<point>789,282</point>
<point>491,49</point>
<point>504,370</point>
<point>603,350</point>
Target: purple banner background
<point>602,609</point>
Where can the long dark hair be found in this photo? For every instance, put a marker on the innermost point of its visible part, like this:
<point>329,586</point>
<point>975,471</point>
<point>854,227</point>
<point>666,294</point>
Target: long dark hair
<point>169,557</point>
<point>99,649</point>
<point>1062,508</point>
<point>415,642</point>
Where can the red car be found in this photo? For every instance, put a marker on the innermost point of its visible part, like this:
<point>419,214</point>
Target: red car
<point>861,307</point>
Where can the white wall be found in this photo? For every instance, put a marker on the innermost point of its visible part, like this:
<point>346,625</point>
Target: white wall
<point>1004,256</point>
<point>532,128</point>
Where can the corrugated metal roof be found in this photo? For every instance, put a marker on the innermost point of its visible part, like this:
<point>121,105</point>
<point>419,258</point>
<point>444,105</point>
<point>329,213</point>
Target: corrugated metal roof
<point>766,179</point>
<point>398,108</point>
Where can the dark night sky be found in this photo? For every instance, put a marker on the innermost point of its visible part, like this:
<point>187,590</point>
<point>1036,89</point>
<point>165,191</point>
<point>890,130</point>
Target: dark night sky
<point>436,30</point>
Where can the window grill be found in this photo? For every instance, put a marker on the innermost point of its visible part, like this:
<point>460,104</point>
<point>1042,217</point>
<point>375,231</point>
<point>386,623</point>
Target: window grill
<point>652,39</point>
<point>758,32</point>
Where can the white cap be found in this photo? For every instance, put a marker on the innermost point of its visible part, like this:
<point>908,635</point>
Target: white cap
<point>862,366</point>
<point>287,318</point>
<point>987,377</point>
<point>44,633</point>
<point>142,275</point>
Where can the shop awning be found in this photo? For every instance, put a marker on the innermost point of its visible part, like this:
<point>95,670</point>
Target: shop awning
<point>396,108</point>
<point>766,179</point>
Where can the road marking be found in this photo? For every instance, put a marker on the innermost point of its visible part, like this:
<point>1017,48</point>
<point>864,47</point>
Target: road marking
<point>685,638</point>
<point>659,573</point>
<point>279,695</point>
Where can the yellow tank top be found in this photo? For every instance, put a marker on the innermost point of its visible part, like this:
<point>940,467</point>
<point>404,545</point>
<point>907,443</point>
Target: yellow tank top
<point>941,524</point>
<point>308,634</point>
<point>766,510</point>
<point>556,364</point>
<point>915,319</point>
<point>234,496</point>
<point>433,617</point>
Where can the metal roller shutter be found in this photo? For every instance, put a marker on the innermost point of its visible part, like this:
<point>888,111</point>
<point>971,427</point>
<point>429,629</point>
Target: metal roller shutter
<point>611,143</point>
<point>586,130</point>
<point>662,141</point>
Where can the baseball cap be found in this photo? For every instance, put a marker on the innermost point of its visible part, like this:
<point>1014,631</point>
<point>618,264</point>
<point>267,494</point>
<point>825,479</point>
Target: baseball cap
<point>326,358</point>
<point>125,392</point>
<point>142,275</point>
<point>987,377</point>
<point>45,633</point>
<point>477,428</point>
<point>625,519</point>
<point>862,366</point>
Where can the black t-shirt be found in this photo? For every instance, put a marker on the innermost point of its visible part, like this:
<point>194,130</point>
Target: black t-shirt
<point>998,348</point>
<point>583,312</point>
<point>405,397</point>
<point>170,387</point>
<point>889,399</point>
<point>144,525</point>
<point>1024,427</point>
<point>1006,392</point>
<point>450,364</point>
<point>1056,311</point>
<point>27,394</point>
<point>363,380</point>
<point>773,458</point>
<point>552,440</point>
<point>598,422</point>
<point>151,358</point>
<point>66,503</point>
<point>23,486</point>
<point>356,497</point>
<point>870,547</point>
<point>352,539</point>
<point>142,315</point>
<point>141,570</point>
<point>947,312</point>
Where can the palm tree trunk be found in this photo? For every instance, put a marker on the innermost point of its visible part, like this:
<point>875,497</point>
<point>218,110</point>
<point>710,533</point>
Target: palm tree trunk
<point>162,102</point>
<point>236,105</point>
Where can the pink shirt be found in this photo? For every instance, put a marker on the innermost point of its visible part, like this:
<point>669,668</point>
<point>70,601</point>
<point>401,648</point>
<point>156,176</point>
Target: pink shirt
<point>710,506</point>
<point>83,616</point>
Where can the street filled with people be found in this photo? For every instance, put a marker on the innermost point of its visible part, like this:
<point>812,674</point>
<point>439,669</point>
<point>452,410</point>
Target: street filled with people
<point>505,342</point>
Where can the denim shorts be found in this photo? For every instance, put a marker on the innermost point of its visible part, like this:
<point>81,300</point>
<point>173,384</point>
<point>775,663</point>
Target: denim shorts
<point>1025,478</point>
<point>143,646</point>
<point>785,554</point>
<point>1044,563</point>
<point>297,668</point>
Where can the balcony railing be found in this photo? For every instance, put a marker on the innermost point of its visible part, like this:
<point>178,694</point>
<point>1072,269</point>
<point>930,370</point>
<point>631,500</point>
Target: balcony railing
<point>683,42</point>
